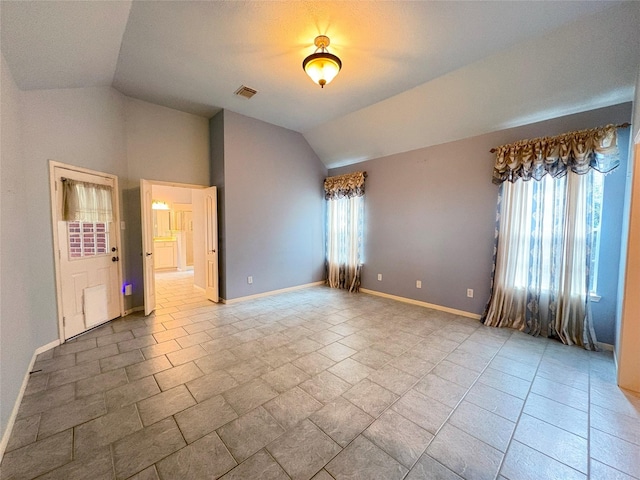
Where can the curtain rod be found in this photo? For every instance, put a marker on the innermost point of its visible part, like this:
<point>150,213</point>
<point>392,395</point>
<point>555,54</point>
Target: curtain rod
<point>622,125</point>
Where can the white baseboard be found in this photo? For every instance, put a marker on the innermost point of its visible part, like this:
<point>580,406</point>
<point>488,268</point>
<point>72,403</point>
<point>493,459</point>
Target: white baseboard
<point>44,348</point>
<point>14,413</point>
<point>462,313</point>
<point>606,347</point>
<point>272,292</point>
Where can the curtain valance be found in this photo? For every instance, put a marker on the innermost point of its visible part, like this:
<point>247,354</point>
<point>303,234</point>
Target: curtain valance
<point>577,151</point>
<point>348,185</point>
<point>86,202</point>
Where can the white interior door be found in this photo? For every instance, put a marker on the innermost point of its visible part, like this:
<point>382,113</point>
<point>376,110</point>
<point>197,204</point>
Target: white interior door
<point>146,199</point>
<point>211,243</point>
<point>88,256</point>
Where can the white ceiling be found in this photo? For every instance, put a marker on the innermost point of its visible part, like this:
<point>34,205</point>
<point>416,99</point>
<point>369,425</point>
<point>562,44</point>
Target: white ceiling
<point>62,44</point>
<point>414,73</point>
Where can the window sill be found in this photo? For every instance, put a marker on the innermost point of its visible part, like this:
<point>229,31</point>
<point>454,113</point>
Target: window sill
<point>594,297</point>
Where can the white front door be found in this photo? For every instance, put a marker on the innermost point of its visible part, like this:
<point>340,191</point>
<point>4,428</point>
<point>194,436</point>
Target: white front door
<point>88,256</point>
<point>148,269</point>
<point>211,243</point>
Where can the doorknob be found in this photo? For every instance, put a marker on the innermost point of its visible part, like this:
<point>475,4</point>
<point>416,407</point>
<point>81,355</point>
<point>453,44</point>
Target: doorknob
<point>149,254</point>
<point>114,259</point>
<point>114,249</point>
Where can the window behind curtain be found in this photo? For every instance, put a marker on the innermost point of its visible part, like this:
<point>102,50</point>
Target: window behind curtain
<point>345,228</point>
<point>551,192</point>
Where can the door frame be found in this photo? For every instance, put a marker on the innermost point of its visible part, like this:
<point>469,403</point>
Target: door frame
<point>143,207</point>
<point>211,243</point>
<point>56,242</point>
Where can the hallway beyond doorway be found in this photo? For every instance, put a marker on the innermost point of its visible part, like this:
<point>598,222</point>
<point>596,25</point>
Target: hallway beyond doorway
<point>175,289</point>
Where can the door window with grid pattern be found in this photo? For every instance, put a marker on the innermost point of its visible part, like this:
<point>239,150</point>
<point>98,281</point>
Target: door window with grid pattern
<point>88,239</point>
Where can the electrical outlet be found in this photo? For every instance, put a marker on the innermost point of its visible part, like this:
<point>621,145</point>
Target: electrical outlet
<point>418,284</point>
<point>249,280</point>
<point>379,277</point>
<point>470,292</point>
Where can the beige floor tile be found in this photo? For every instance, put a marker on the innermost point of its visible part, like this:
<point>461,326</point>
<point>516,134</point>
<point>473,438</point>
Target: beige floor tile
<point>303,450</point>
<point>364,460</point>
<point>250,433</point>
<point>307,365</point>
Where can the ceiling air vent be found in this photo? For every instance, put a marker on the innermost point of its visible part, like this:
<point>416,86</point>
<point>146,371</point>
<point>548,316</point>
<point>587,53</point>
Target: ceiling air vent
<point>245,92</point>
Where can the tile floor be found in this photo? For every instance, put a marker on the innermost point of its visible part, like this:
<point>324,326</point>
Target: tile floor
<point>319,384</point>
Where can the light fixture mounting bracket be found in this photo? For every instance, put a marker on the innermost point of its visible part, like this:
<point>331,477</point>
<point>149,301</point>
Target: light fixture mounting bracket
<point>321,41</point>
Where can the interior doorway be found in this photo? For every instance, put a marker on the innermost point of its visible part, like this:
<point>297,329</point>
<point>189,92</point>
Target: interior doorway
<point>178,237</point>
<point>172,212</point>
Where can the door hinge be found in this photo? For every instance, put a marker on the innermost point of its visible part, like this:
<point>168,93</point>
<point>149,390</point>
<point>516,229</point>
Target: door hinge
<point>56,185</point>
<point>64,321</point>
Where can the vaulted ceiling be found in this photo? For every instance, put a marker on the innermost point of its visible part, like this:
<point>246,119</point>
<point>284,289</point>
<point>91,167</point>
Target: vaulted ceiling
<point>414,73</point>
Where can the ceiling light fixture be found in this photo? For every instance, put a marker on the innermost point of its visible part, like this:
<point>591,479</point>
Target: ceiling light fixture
<point>322,66</point>
<point>158,205</point>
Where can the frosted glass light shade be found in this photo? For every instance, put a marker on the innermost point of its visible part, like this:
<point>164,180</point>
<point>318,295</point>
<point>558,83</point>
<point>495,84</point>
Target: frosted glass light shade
<point>322,67</point>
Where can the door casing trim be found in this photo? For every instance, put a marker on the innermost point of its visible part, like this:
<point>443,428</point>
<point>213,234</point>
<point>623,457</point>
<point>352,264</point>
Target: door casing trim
<point>165,184</point>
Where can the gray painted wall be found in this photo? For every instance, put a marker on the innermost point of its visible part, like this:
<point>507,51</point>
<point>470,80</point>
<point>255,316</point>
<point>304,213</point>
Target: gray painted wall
<point>161,144</point>
<point>636,109</point>
<point>614,227</point>
<point>96,128</point>
<point>216,136</point>
<point>83,127</point>
<point>18,337</point>
<point>273,204</point>
<point>430,216</point>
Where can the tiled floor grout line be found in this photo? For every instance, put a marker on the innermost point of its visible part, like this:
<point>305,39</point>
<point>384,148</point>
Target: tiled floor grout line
<point>559,427</point>
<point>275,459</point>
<point>488,364</point>
<point>388,363</point>
<point>238,416</point>
<point>412,386</point>
<point>589,430</point>
<point>282,426</point>
<point>217,434</point>
<point>548,354</point>
<point>135,404</point>
<point>349,443</point>
<point>462,399</point>
<point>524,402</point>
<point>113,457</point>
<point>323,405</point>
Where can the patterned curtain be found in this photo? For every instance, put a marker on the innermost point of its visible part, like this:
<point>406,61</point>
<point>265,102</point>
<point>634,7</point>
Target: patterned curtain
<point>578,152</point>
<point>345,226</point>
<point>86,202</point>
<point>544,233</point>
